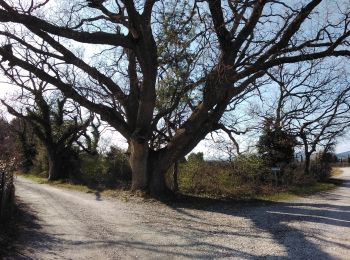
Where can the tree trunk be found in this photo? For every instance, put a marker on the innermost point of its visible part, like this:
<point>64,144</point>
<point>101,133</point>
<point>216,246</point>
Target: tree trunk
<point>175,175</point>
<point>307,164</point>
<point>138,160</point>
<point>54,166</point>
<point>157,184</point>
<point>157,169</point>
<point>148,170</point>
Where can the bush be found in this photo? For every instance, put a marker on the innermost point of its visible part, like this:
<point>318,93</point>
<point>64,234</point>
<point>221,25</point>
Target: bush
<point>320,167</point>
<point>109,170</point>
<point>321,171</point>
<point>118,164</point>
<point>276,145</point>
<point>204,177</point>
<point>196,157</point>
<point>244,175</point>
<point>251,168</point>
<point>94,170</point>
<point>294,174</point>
<point>40,163</point>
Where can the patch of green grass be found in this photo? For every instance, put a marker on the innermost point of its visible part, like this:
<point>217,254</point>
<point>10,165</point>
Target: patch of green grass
<point>71,186</point>
<point>301,191</point>
<point>271,195</point>
<point>33,177</point>
<point>59,183</point>
<point>278,196</point>
<point>124,195</point>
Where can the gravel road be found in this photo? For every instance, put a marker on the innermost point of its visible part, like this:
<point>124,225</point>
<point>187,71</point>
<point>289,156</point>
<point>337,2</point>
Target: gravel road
<point>74,225</point>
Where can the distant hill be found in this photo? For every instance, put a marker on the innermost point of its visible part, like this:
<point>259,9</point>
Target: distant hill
<point>343,154</point>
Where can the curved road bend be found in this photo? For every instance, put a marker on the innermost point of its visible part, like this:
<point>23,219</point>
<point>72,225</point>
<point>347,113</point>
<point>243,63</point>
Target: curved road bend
<point>74,225</point>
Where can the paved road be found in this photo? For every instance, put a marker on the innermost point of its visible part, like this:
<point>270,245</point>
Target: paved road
<point>73,225</point>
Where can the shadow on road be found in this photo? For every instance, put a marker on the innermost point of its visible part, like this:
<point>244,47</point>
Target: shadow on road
<point>282,222</point>
<point>28,229</point>
<point>278,218</point>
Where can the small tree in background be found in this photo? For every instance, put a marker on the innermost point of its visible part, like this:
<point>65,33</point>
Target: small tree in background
<point>328,155</point>
<point>321,165</point>
<point>275,145</point>
<point>196,157</point>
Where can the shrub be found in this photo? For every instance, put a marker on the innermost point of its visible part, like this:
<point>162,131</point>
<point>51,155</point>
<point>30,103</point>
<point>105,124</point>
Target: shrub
<point>276,145</point>
<point>118,164</point>
<point>205,177</point>
<point>108,170</point>
<point>294,174</point>
<point>243,175</point>
<point>41,162</point>
<point>320,167</point>
<point>250,168</point>
<point>94,170</point>
<point>196,157</point>
<point>321,171</point>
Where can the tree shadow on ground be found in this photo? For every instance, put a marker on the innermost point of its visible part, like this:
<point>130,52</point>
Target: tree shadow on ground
<point>280,220</point>
<point>26,227</point>
<point>34,239</point>
<point>186,221</point>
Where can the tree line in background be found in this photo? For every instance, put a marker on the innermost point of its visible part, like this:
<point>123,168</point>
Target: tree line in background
<point>165,76</point>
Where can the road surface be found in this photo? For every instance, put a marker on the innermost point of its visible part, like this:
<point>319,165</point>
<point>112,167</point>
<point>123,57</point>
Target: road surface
<point>74,225</point>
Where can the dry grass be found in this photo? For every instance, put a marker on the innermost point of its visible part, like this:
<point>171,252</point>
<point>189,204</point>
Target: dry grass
<point>301,191</point>
<point>336,172</point>
<point>122,194</point>
<point>244,192</point>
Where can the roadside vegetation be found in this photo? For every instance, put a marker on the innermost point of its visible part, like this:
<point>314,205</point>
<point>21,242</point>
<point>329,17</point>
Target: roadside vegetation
<point>266,192</point>
<point>246,178</point>
<point>8,163</point>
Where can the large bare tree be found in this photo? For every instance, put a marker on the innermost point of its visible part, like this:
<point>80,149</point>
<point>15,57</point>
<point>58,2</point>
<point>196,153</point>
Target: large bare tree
<point>122,61</point>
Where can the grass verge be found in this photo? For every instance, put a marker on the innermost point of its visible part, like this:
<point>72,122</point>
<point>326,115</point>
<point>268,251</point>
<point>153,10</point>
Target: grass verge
<point>294,192</point>
<point>271,196</point>
<point>306,190</point>
<point>122,194</point>
<point>60,183</point>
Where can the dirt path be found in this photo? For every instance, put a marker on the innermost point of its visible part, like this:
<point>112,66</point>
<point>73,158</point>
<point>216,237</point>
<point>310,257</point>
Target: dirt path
<point>73,225</point>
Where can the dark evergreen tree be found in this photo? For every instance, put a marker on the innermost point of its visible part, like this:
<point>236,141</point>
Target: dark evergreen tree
<point>275,145</point>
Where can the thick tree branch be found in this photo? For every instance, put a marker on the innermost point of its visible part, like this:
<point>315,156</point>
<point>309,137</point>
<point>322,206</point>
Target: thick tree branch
<point>80,36</point>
